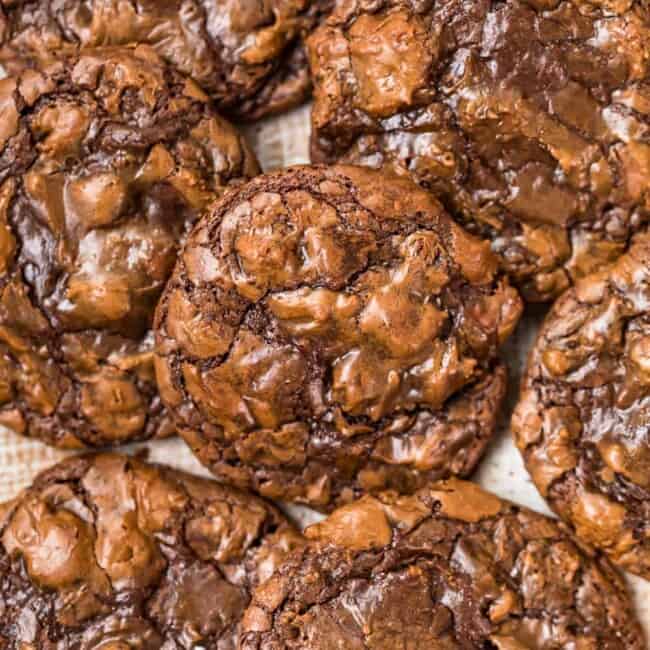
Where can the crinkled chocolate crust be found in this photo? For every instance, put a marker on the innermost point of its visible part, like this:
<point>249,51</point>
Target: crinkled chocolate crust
<point>529,119</point>
<point>330,331</point>
<point>106,160</point>
<point>105,551</point>
<point>247,55</point>
<point>450,567</point>
<point>583,420</point>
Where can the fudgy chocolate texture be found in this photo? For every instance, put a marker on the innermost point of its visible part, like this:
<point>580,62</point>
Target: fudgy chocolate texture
<point>105,551</point>
<point>449,567</point>
<point>529,119</point>
<point>105,161</point>
<point>248,55</point>
<point>329,331</point>
<point>583,420</point>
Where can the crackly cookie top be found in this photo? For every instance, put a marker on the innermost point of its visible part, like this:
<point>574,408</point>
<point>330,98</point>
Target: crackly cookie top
<point>330,330</point>
<point>247,55</point>
<point>105,551</point>
<point>106,159</point>
<point>450,567</point>
<point>583,420</point>
<point>529,119</point>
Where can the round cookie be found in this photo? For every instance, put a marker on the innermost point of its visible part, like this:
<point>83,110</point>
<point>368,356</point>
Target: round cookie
<point>529,119</point>
<point>106,159</point>
<point>449,567</point>
<point>329,331</point>
<point>248,55</point>
<point>583,419</point>
<point>108,552</point>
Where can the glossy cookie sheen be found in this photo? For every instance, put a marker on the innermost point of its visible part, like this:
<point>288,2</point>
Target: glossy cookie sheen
<point>248,55</point>
<point>105,551</point>
<point>583,420</point>
<point>329,331</point>
<point>529,119</point>
<point>106,159</point>
<point>450,567</point>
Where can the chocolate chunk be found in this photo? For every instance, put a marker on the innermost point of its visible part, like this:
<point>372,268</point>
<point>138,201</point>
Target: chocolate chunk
<point>583,420</point>
<point>449,567</point>
<point>529,119</point>
<point>329,331</point>
<point>248,55</point>
<point>106,159</point>
<point>105,551</point>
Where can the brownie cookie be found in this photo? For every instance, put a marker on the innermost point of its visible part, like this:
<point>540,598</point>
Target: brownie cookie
<point>329,331</point>
<point>106,159</point>
<point>248,55</point>
<point>530,119</point>
<point>105,551</point>
<point>583,420</point>
<point>449,567</point>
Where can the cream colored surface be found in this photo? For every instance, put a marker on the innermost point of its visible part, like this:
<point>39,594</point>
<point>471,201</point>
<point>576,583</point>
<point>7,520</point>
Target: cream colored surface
<point>280,142</point>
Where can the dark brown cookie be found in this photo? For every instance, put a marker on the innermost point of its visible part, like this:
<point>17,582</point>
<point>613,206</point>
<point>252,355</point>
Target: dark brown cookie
<point>583,420</point>
<point>105,551</point>
<point>248,55</point>
<point>449,567</point>
<point>329,331</point>
<point>530,119</point>
<point>106,159</point>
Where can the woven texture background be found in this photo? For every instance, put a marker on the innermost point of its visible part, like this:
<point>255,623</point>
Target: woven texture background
<point>280,142</point>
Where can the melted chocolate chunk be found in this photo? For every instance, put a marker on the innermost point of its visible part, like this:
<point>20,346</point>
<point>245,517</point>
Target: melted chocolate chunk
<point>583,420</point>
<point>329,331</point>
<point>106,159</point>
<point>105,551</point>
<point>450,567</point>
<point>248,55</point>
<point>529,119</point>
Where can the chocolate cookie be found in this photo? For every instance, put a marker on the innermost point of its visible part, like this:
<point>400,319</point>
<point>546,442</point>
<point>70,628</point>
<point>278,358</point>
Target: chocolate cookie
<point>248,55</point>
<point>583,420</point>
<point>530,119</point>
<point>105,551</point>
<point>329,331</point>
<point>449,567</point>
<point>106,159</point>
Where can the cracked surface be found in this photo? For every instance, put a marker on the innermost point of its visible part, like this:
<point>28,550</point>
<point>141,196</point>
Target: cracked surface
<point>105,161</point>
<point>530,120</point>
<point>449,567</point>
<point>106,551</point>
<point>248,55</point>
<point>583,420</point>
<point>320,338</point>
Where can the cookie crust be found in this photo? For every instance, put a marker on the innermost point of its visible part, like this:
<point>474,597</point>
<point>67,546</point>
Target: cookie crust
<point>107,551</point>
<point>449,567</point>
<point>529,120</point>
<point>247,55</point>
<point>106,160</point>
<point>583,419</point>
<point>321,338</point>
